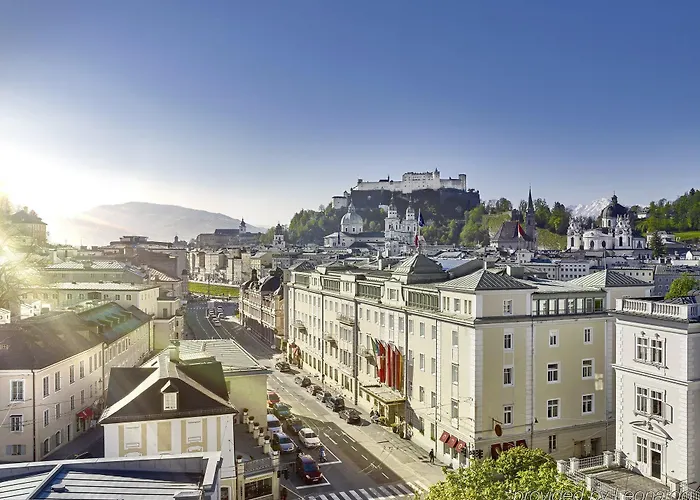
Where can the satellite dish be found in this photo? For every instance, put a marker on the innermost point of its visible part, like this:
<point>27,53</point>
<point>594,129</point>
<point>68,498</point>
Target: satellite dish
<point>498,430</point>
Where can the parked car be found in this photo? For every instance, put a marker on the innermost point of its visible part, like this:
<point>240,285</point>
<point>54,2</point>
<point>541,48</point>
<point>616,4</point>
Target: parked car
<point>314,389</point>
<point>302,381</point>
<point>282,443</point>
<point>308,438</point>
<point>273,424</point>
<point>308,469</point>
<point>293,425</point>
<point>350,416</point>
<point>324,396</point>
<point>215,322</point>
<point>283,366</point>
<point>272,398</point>
<point>335,403</point>
<point>282,411</point>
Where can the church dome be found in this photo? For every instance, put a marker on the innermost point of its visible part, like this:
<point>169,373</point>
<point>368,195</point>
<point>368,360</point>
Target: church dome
<point>351,219</point>
<point>613,210</point>
<point>279,229</point>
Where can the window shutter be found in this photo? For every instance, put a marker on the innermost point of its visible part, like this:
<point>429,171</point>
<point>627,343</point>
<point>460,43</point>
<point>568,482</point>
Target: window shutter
<point>23,449</point>
<point>8,450</point>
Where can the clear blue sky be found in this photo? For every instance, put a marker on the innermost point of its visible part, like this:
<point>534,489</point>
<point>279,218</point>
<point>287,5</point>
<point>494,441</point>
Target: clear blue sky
<point>260,108</point>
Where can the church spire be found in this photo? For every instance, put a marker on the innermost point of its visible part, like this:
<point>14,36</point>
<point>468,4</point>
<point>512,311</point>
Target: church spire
<point>530,205</point>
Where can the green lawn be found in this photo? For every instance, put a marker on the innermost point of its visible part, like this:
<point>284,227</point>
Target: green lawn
<point>688,235</point>
<point>550,241</point>
<point>218,290</point>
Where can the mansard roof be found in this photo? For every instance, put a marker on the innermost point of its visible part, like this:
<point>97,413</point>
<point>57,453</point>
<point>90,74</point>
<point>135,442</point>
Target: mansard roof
<point>419,269</point>
<point>485,280</point>
<point>608,279</point>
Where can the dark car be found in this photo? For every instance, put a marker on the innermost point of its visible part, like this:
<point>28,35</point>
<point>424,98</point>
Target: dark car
<point>336,403</point>
<point>308,469</point>
<point>283,366</point>
<point>282,411</point>
<point>293,425</point>
<point>324,396</point>
<point>302,381</point>
<point>314,389</point>
<point>350,416</point>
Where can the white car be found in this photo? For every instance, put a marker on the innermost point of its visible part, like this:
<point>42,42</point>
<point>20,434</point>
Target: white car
<point>308,438</point>
<point>215,322</point>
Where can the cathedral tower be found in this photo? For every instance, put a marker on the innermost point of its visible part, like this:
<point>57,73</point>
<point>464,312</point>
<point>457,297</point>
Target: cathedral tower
<point>530,216</point>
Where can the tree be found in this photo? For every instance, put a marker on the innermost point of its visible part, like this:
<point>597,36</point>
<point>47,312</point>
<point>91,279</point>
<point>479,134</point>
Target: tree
<point>683,285</point>
<point>542,213</point>
<point>268,237</point>
<point>658,249</point>
<point>518,472</point>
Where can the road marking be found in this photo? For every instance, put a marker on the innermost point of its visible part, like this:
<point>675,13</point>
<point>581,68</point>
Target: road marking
<point>330,463</point>
<point>378,496</point>
<point>366,494</point>
<point>346,441</point>
<point>365,458</point>
<point>384,490</point>
<point>395,490</point>
<point>331,439</point>
<point>404,489</point>
<point>354,493</point>
<point>308,486</point>
<point>353,447</point>
<point>322,497</point>
<point>344,495</point>
<point>385,475</point>
<point>421,485</point>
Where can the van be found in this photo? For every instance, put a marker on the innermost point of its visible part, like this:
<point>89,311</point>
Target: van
<point>273,424</point>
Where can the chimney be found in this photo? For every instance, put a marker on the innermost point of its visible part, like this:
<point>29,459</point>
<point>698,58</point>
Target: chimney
<point>174,351</point>
<point>515,271</point>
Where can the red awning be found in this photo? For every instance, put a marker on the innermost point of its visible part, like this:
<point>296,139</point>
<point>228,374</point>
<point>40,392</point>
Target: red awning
<point>445,437</point>
<point>452,442</point>
<point>521,442</point>
<point>495,451</point>
<point>460,446</point>
<point>508,446</point>
<point>85,414</point>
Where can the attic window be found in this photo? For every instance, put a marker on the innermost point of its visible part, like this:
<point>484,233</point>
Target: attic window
<point>170,401</point>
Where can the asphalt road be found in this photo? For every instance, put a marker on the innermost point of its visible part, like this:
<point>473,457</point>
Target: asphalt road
<point>352,472</point>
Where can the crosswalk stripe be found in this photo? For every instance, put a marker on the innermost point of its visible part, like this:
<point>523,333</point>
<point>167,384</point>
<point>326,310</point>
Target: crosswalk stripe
<point>354,493</point>
<point>311,498</point>
<point>386,492</point>
<point>344,495</point>
<point>376,493</point>
<point>404,489</point>
<point>396,491</point>
<point>323,497</point>
<point>366,494</point>
<point>422,485</point>
<point>334,496</point>
<point>415,488</point>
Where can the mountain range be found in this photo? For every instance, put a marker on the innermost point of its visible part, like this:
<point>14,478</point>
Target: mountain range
<point>592,209</point>
<point>105,223</point>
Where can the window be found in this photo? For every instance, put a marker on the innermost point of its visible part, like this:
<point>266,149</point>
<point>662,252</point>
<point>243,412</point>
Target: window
<point>553,408</point>
<point>657,403</point>
<point>552,441</point>
<point>642,400</point>
<point>455,409</point>
<point>508,341</point>
<point>16,423</point>
<point>132,436</point>
<point>194,431</point>
<point>46,386</point>
<point>553,338</point>
<point>507,307</point>
<point>17,390</point>
<point>46,446</point>
<point>57,410</point>
<point>16,449</point>
<point>508,415</point>
<point>457,304</point>
<point>169,401</point>
<point>410,326</point>
<point>57,381</point>
<point>421,327</point>
<point>642,450</point>
<point>552,372</point>
<point>72,402</point>
<point>642,353</point>
<point>657,351</point>
<point>421,393</point>
<point>421,358</point>
<point>46,418</point>
<point>587,336</point>
<point>587,368</point>
<point>82,370</point>
<point>433,399</point>
<point>455,374</point>
<point>433,332</point>
<point>508,375</point>
<point>258,488</point>
<point>382,319</point>
<point>118,297</point>
<point>90,364</point>
<point>433,366</point>
<point>587,404</point>
<point>71,374</point>
<point>57,439</point>
<point>82,397</point>
<point>128,297</point>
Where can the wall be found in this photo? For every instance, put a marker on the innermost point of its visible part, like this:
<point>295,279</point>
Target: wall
<point>248,391</point>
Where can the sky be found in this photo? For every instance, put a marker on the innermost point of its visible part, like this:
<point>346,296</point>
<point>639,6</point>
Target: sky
<point>258,109</point>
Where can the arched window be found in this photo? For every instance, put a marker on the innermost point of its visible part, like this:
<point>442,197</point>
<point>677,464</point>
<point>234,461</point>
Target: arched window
<point>620,240</point>
<point>572,242</point>
<point>602,243</point>
<point>592,244</point>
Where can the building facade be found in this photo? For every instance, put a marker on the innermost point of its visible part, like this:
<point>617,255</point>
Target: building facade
<point>616,231</point>
<point>94,272</point>
<point>520,232</point>
<point>482,361</point>
<point>262,307</point>
<point>657,371</point>
<point>414,181</point>
<point>28,229</point>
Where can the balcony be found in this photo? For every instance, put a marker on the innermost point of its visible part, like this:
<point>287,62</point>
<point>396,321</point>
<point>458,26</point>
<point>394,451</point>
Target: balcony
<point>330,337</point>
<point>299,325</point>
<point>345,319</point>
<point>659,309</point>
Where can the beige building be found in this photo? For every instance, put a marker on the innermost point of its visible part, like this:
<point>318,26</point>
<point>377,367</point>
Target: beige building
<point>53,369</point>
<point>64,295</point>
<point>27,228</point>
<point>169,322</point>
<point>174,407</point>
<point>482,361</point>
<point>262,307</point>
<point>93,271</point>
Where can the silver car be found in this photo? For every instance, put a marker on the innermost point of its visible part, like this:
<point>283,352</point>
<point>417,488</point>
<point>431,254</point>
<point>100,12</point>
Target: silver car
<point>283,443</point>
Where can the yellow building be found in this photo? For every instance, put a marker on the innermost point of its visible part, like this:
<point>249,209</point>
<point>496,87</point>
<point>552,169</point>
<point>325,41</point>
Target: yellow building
<point>262,307</point>
<point>483,360</point>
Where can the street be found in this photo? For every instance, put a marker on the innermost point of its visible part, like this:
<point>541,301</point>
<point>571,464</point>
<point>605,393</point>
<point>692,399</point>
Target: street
<point>365,462</point>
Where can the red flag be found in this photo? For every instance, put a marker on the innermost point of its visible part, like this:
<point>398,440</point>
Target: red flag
<point>389,368</point>
<point>521,231</point>
<point>416,239</point>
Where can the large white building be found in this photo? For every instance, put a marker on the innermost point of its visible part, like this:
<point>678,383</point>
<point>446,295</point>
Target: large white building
<point>352,231</point>
<point>414,181</point>
<point>657,371</point>
<point>400,234</point>
<point>615,233</point>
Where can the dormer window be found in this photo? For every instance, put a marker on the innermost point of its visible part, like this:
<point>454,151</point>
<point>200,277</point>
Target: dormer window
<point>169,392</point>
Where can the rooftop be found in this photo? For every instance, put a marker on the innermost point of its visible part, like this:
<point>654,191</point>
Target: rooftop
<point>97,286</point>
<point>682,309</point>
<point>155,275</point>
<point>229,353</point>
<point>155,477</point>
<point>485,280</point>
<point>24,217</point>
<point>608,279</point>
<point>86,265</point>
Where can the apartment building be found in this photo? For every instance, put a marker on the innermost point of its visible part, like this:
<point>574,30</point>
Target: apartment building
<point>487,360</point>
<point>53,369</point>
<point>70,294</point>
<point>262,307</point>
<point>174,407</point>
<point>168,323</point>
<point>657,373</point>
<point>93,271</point>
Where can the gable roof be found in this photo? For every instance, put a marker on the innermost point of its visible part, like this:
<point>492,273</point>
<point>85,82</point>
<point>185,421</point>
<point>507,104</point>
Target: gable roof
<point>24,217</point>
<point>156,275</point>
<point>609,279</point>
<point>232,356</point>
<point>419,269</point>
<point>485,280</point>
<point>137,392</point>
<point>304,265</point>
<point>116,321</point>
<point>509,231</point>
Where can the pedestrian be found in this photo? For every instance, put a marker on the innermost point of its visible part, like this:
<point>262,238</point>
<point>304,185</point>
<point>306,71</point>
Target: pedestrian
<point>431,456</point>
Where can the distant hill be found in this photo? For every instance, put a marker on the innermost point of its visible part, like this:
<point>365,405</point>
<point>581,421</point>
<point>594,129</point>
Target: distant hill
<point>592,209</point>
<point>100,225</point>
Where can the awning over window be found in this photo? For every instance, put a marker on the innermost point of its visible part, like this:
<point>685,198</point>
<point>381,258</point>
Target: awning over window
<point>452,442</point>
<point>85,414</point>
<point>445,437</point>
<point>496,450</point>
<point>508,446</point>
<point>460,446</point>
<point>521,442</point>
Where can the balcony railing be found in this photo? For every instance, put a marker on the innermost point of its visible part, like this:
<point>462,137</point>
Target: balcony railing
<point>260,465</point>
<point>299,325</point>
<point>330,337</point>
<point>683,312</point>
<point>346,319</point>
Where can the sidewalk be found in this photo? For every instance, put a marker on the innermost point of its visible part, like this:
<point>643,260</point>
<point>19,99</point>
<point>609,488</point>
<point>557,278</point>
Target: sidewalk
<point>91,441</point>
